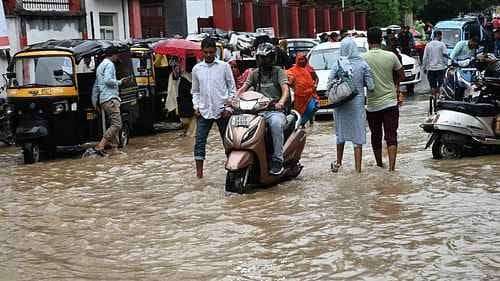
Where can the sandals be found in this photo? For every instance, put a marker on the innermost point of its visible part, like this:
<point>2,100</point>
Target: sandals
<point>335,167</point>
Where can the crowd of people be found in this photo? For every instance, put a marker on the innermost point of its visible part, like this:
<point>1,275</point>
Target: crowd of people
<point>379,70</point>
<point>215,83</point>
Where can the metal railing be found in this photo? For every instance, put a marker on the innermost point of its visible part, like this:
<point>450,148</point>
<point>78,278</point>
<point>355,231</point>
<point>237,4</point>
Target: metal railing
<point>45,5</point>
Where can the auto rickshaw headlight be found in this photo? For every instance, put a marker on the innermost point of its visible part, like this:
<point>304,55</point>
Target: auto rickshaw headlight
<point>60,107</point>
<point>9,109</point>
<point>32,105</point>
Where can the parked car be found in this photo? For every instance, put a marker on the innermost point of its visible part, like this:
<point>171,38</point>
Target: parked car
<point>325,55</point>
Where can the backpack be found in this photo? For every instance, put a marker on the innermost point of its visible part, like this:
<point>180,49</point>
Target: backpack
<point>343,89</point>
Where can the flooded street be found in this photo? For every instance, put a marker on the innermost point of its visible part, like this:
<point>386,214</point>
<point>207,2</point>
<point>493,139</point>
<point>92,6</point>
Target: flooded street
<point>142,216</point>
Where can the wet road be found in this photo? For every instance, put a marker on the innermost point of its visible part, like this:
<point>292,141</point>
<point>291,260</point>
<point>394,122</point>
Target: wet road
<point>141,216</point>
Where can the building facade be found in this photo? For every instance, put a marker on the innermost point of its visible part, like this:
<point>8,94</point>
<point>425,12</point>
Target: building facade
<point>107,19</point>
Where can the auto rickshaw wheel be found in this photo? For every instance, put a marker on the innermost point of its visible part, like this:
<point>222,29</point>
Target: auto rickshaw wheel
<point>31,153</point>
<point>124,136</point>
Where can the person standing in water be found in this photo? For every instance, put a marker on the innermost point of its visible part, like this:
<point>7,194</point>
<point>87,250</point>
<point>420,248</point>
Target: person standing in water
<point>213,86</point>
<point>383,102</point>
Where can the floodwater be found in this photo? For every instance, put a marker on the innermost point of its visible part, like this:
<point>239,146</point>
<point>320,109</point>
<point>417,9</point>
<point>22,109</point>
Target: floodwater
<point>142,216</point>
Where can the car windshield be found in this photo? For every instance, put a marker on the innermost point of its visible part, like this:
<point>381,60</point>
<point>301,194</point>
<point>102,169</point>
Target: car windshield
<point>325,59</point>
<point>451,36</point>
<point>43,72</point>
<point>136,64</point>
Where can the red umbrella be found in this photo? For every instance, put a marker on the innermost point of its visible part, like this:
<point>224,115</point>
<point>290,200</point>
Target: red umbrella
<point>179,48</point>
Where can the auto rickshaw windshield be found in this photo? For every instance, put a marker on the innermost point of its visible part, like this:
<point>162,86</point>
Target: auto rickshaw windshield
<point>46,71</point>
<point>141,65</point>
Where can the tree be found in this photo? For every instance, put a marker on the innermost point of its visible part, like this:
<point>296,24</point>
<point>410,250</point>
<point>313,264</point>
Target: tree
<point>384,12</point>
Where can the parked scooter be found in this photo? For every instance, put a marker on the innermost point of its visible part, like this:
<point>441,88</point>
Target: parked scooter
<point>459,128</point>
<point>459,80</point>
<point>248,145</point>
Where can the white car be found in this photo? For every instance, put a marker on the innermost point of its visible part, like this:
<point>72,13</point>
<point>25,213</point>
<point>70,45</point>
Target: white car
<point>303,45</point>
<point>325,55</point>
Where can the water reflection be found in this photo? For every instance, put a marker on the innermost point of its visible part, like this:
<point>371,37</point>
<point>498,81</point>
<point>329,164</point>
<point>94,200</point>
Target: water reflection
<point>141,216</point>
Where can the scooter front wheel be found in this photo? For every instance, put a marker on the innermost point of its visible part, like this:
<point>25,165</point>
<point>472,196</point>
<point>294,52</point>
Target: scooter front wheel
<point>442,150</point>
<point>237,181</point>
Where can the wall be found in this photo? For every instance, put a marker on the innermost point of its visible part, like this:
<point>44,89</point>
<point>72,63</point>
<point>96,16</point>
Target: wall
<point>108,6</point>
<point>197,9</point>
<point>176,17</point>
<point>40,30</point>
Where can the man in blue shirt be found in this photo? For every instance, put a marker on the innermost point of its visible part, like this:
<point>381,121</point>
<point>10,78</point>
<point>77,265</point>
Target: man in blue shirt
<point>465,49</point>
<point>105,95</point>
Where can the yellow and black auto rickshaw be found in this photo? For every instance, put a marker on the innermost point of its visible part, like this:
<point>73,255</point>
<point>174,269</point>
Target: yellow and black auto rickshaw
<point>152,90</point>
<point>50,89</point>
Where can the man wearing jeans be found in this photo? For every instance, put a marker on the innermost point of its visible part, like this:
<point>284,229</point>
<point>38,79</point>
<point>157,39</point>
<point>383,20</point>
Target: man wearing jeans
<point>213,85</point>
<point>272,82</point>
<point>435,62</point>
<point>106,95</point>
<point>382,102</point>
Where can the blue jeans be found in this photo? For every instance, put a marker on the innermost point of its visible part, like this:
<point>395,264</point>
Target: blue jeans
<point>276,121</point>
<point>202,131</point>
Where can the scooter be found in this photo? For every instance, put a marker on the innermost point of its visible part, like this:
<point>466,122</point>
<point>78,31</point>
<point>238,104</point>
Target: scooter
<point>459,80</point>
<point>248,145</point>
<point>458,128</point>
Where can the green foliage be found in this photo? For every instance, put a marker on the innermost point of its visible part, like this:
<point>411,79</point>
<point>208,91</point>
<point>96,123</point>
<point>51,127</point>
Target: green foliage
<point>384,12</point>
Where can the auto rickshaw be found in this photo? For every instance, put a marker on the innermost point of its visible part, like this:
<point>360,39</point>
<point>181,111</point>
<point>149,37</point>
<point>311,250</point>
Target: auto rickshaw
<point>145,77</point>
<point>50,92</point>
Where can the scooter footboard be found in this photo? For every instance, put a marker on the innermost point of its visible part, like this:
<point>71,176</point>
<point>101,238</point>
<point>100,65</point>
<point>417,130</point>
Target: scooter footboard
<point>238,160</point>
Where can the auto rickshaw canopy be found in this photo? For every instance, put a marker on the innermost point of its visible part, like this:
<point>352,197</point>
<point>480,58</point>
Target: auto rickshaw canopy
<point>81,48</point>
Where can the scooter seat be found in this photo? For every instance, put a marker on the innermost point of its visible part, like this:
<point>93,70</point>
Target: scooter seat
<point>475,109</point>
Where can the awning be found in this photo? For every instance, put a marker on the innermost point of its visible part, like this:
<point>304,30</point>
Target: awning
<point>4,36</point>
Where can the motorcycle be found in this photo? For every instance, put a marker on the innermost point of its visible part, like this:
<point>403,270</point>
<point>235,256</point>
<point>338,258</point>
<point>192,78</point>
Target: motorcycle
<point>459,80</point>
<point>458,128</point>
<point>248,145</point>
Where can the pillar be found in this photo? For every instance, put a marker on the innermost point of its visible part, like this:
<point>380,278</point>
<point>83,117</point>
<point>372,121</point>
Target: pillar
<point>338,18</point>
<point>360,20</point>
<point>294,15</point>
<point>327,19</point>
<point>223,14</point>
<point>9,6</point>
<point>248,14</point>
<point>275,16</point>
<point>75,6</point>
<point>134,13</point>
<point>311,22</point>
<point>349,20</point>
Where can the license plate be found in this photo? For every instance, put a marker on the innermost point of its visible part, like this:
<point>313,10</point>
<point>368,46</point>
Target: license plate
<point>90,116</point>
<point>240,120</point>
<point>323,102</point>
<point>408,73</point>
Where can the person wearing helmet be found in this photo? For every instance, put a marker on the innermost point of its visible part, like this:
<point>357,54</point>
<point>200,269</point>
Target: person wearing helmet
<point>271,81</point>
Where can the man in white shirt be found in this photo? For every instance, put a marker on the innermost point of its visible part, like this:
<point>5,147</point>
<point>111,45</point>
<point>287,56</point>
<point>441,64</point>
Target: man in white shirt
<point>213,85</point>
<point>435,62</point>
